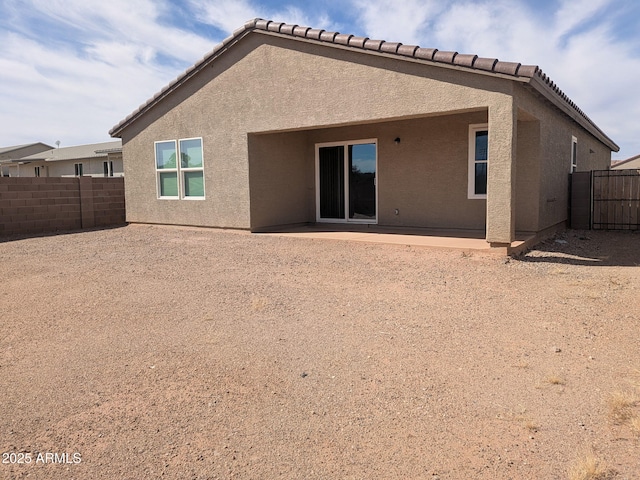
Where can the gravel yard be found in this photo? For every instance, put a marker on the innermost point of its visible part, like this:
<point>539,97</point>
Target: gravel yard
<point>182,353</point>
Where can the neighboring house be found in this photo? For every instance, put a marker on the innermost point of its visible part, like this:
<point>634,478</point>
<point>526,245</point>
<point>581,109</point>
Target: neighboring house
<point>629,163</point>
<point>287,125</point>
<point>18,151</point>
<point>93,160</point>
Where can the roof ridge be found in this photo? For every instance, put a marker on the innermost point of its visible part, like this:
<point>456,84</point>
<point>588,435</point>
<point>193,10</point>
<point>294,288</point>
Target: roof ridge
<point>455,59</point>
<point>626,160</point>
<point>473,61</point>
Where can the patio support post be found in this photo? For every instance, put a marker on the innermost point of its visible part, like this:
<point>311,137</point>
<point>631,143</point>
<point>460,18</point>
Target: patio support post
<point>501,176</point>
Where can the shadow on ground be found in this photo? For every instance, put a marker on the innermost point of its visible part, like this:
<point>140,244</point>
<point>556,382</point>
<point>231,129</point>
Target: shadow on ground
<point>23,236</point>
<point>588,247</point>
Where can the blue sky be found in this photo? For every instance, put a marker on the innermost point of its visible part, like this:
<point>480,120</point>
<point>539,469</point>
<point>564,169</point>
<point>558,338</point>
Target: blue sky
<point>72,69</point>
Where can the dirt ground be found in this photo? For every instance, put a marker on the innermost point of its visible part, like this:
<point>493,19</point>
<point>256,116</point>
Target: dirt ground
<point>168,352</point>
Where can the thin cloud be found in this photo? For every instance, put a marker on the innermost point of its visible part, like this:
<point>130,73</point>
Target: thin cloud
<point>228,15</point>
<point>576,46</point>
<point>74,68</point>
<point>405,22</point>
<point>87,68</point>
<point>145,23</point>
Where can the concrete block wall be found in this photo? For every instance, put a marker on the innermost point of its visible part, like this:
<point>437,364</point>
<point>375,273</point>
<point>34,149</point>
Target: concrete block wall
<point>31,205</point>
<point>108,201</point>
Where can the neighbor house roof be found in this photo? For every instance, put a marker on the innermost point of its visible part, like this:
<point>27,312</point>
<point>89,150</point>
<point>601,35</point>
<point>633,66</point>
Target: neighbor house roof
<point>633,162</point>
<point>528,74</point>
<point>14,148</point>
<point>71,153</point>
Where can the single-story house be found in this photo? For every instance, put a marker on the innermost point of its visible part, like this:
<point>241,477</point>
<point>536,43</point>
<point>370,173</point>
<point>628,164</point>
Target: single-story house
<point>93,160</point>
<point>629,163</point>
<point>283,125</point>
<point>7,154</point>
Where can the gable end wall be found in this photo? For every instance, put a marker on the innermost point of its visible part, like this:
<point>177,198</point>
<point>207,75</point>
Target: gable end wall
<point>270,84</point>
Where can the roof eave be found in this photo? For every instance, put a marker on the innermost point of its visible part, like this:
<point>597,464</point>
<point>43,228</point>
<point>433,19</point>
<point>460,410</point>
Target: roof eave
<point>550,91</point>
<point>238,34</point>
<point>528,74</point>
<point>412,53</point>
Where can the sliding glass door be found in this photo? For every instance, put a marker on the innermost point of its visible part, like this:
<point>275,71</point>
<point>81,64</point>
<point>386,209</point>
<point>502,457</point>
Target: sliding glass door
<point>346,182</point>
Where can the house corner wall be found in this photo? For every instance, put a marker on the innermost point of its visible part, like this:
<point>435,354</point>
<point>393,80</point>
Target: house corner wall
<point>556,138</point>
<point>501,175</point>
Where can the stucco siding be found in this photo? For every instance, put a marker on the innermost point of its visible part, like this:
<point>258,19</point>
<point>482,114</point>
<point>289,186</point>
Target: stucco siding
<point>423,177</point>
<point>281,179</point>
<point>527,175</point>
<point>225,179</point>
<point>269,84</point>
<point>555,135</point>
<point>263,104</point>
<point>556,140</point>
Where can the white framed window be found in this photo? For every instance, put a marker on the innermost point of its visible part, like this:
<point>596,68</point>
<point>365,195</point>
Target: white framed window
<point>78,168</point>
<point>167,169</point>
<point>478,161</point>
<point>183,179</point>
<point>191,168</point>
<point>107,168</point>
<point>37,171</point>
<point>574,154</point>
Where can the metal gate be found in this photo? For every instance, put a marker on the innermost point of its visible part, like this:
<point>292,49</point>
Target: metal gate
<point>615,203</point>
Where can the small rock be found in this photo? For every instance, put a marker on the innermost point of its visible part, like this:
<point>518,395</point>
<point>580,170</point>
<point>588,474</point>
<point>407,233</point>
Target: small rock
<point>304,374</point>
<point>557,350</point>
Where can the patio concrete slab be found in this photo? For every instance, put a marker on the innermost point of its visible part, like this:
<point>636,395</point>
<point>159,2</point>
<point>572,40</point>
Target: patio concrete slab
<point>418,237</point>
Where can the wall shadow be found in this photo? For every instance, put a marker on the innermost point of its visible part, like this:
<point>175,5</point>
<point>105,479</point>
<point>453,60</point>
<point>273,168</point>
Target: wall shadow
<point>593,248</point>
<point>24,236</point>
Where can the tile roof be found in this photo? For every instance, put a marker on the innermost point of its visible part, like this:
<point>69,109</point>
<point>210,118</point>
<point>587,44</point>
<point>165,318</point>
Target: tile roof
<point>92,150</point>
<point>531,74</point>
<point>18,147</point>
<point>631,163</point>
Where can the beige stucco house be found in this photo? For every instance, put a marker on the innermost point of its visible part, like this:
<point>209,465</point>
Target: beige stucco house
<point>629,163</point>
<point>7,154</point>
<point>92,160</point>
<point>283,125</point>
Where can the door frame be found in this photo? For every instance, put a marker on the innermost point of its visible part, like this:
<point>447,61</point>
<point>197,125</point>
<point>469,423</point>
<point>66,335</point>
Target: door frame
<point>345,144</point>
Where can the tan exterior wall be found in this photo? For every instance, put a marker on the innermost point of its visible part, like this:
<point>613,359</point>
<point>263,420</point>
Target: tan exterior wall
<point>556,132</point>
<point>282,179</point>
<point>261,107</point>
<point>292,87</point>
<point>424,177</point>
<point>527,176</point>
